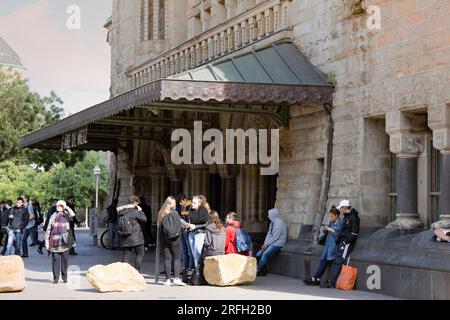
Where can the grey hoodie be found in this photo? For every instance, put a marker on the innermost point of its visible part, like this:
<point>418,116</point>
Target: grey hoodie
<point>277,234</point>
<point>215,239</point>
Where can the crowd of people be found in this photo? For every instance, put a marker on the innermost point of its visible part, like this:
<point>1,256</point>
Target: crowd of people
<point>189,231</point>
<point>23,221</point>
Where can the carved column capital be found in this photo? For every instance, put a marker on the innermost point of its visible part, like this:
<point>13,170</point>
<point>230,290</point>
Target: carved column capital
<point>406,132</point>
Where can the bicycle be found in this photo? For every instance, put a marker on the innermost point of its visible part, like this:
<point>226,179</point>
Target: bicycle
<point>104,240</point>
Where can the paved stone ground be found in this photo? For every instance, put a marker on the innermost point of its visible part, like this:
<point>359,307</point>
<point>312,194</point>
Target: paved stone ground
<point>272,287</point>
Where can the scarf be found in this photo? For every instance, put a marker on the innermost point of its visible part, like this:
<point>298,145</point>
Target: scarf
<point>58,229</point>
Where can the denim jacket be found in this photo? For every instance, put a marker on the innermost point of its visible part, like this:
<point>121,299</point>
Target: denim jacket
<point>329,251</point>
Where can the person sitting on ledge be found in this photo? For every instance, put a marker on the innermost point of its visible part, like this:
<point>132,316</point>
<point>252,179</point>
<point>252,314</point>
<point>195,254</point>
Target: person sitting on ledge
<point>275,240</point>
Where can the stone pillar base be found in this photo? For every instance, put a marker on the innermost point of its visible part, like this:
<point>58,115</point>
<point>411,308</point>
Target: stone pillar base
<point>444,222</point>
<point>406,221</point>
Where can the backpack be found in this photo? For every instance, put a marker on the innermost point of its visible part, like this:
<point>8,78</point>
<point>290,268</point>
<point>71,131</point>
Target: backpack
<point>125,225</point>
<point>243,240</point>
<point>171,227</point>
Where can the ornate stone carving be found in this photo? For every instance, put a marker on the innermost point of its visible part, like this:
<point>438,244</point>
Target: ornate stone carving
<point>407,144</point>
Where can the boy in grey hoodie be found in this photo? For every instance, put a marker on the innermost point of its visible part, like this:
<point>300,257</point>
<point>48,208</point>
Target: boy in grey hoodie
<point>275,240</point>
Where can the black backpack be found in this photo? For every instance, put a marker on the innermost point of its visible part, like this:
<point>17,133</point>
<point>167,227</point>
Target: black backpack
<point>171,227</point>
<point>125,225</point>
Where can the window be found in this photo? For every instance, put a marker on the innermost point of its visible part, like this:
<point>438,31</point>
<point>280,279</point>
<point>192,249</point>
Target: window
<point>393,188</point>
<point>147,10</point>
<point>436,183</point>
<point>162,20</point>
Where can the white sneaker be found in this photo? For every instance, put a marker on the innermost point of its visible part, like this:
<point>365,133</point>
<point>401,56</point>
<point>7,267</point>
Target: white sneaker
<point>167,283</point>
<point>178,282</point>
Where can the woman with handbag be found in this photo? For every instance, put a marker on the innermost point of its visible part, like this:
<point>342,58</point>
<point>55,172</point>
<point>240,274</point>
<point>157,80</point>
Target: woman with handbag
<point>328,239</point>
<point>59,240</point>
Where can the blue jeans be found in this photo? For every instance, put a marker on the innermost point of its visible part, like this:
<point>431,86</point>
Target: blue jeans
<point>196,241</point>
<point>186,255</point>
<point>265,255</point>
<point>322,267</point>
<point>14,234</point>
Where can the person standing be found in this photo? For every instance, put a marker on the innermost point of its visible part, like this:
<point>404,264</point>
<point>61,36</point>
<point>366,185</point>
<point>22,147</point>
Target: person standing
<point>30,228</point>
<point>50,212</point>
<point>346,241</point>
<point>187,260</point>
<point>275,240</point>
<point>59,239</point>
<point>198,218</point>
<point>331,234</point>
<point>113,241</point>
<point>147,226</point>
<point>2,207</point>
<point>19,218</point>
<point>131,237</point>
<point>6,224</point>
<point>170,243</point>
<point>71,205</point>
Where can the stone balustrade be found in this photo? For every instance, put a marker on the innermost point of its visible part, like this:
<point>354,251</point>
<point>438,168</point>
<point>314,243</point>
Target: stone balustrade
<point>265,19</point>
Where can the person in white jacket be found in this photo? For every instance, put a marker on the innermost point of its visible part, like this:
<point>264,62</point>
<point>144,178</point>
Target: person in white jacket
<point>275,240</point>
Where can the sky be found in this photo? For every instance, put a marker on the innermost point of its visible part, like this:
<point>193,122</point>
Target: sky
<point>75,63</point>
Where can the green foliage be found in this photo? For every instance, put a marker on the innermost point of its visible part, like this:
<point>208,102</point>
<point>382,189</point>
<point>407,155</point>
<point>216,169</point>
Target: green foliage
<point>59,182</point>
<point>22,112</point>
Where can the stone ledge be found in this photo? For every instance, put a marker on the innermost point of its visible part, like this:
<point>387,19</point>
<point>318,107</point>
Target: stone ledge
<point>411,263</point>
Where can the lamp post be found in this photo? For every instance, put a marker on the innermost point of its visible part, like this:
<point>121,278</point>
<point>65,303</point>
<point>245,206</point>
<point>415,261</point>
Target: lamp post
<point>97,173</point>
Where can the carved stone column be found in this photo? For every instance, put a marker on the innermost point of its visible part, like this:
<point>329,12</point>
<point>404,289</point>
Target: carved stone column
<point>439,122</point>
<point>407,145</point>
<point>176,177</point>
<point>197,180</point>
<point>228,174</point>
<point>159,188</point>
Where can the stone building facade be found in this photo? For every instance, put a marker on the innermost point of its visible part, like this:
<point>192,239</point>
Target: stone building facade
<point>383,142</point>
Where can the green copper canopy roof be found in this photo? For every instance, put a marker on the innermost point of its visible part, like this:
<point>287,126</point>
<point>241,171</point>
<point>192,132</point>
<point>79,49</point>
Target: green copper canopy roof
<point>8,57</point>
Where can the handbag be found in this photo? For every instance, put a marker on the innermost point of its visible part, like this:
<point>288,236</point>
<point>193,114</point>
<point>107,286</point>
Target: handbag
<point>347,278</point>
<point>67,239</point>
<point>322,239</point>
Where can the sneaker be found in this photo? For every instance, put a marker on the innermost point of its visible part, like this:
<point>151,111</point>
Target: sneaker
<point>167,283</point>
<point>308,282</point>
<point>33,245</point>
<point>24,256</point>
<point>316,282</point>
<point>178,282</point>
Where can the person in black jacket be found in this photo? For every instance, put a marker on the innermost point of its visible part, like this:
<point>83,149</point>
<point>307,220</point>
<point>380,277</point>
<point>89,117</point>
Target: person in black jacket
<point>134,242</point>
<point>113,239</point>
<point>19,219</point>
<point>345,242</point>
<point>50,212</point>
<point>147,226</point>
<point>5,224</point>
<point>198,219</point>
<point>71,205</point>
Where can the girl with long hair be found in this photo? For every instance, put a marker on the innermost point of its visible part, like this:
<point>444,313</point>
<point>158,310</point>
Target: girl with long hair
<point>170,244</point>
<point>198,218</point>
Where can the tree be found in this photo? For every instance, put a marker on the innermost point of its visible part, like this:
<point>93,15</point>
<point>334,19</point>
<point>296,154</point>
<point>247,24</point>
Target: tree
<point>59,182</point>
<point>22,112</point>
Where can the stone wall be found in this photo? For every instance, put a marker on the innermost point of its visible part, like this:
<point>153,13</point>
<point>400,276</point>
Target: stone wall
<point>403,66</point>
<point>302,167</point>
